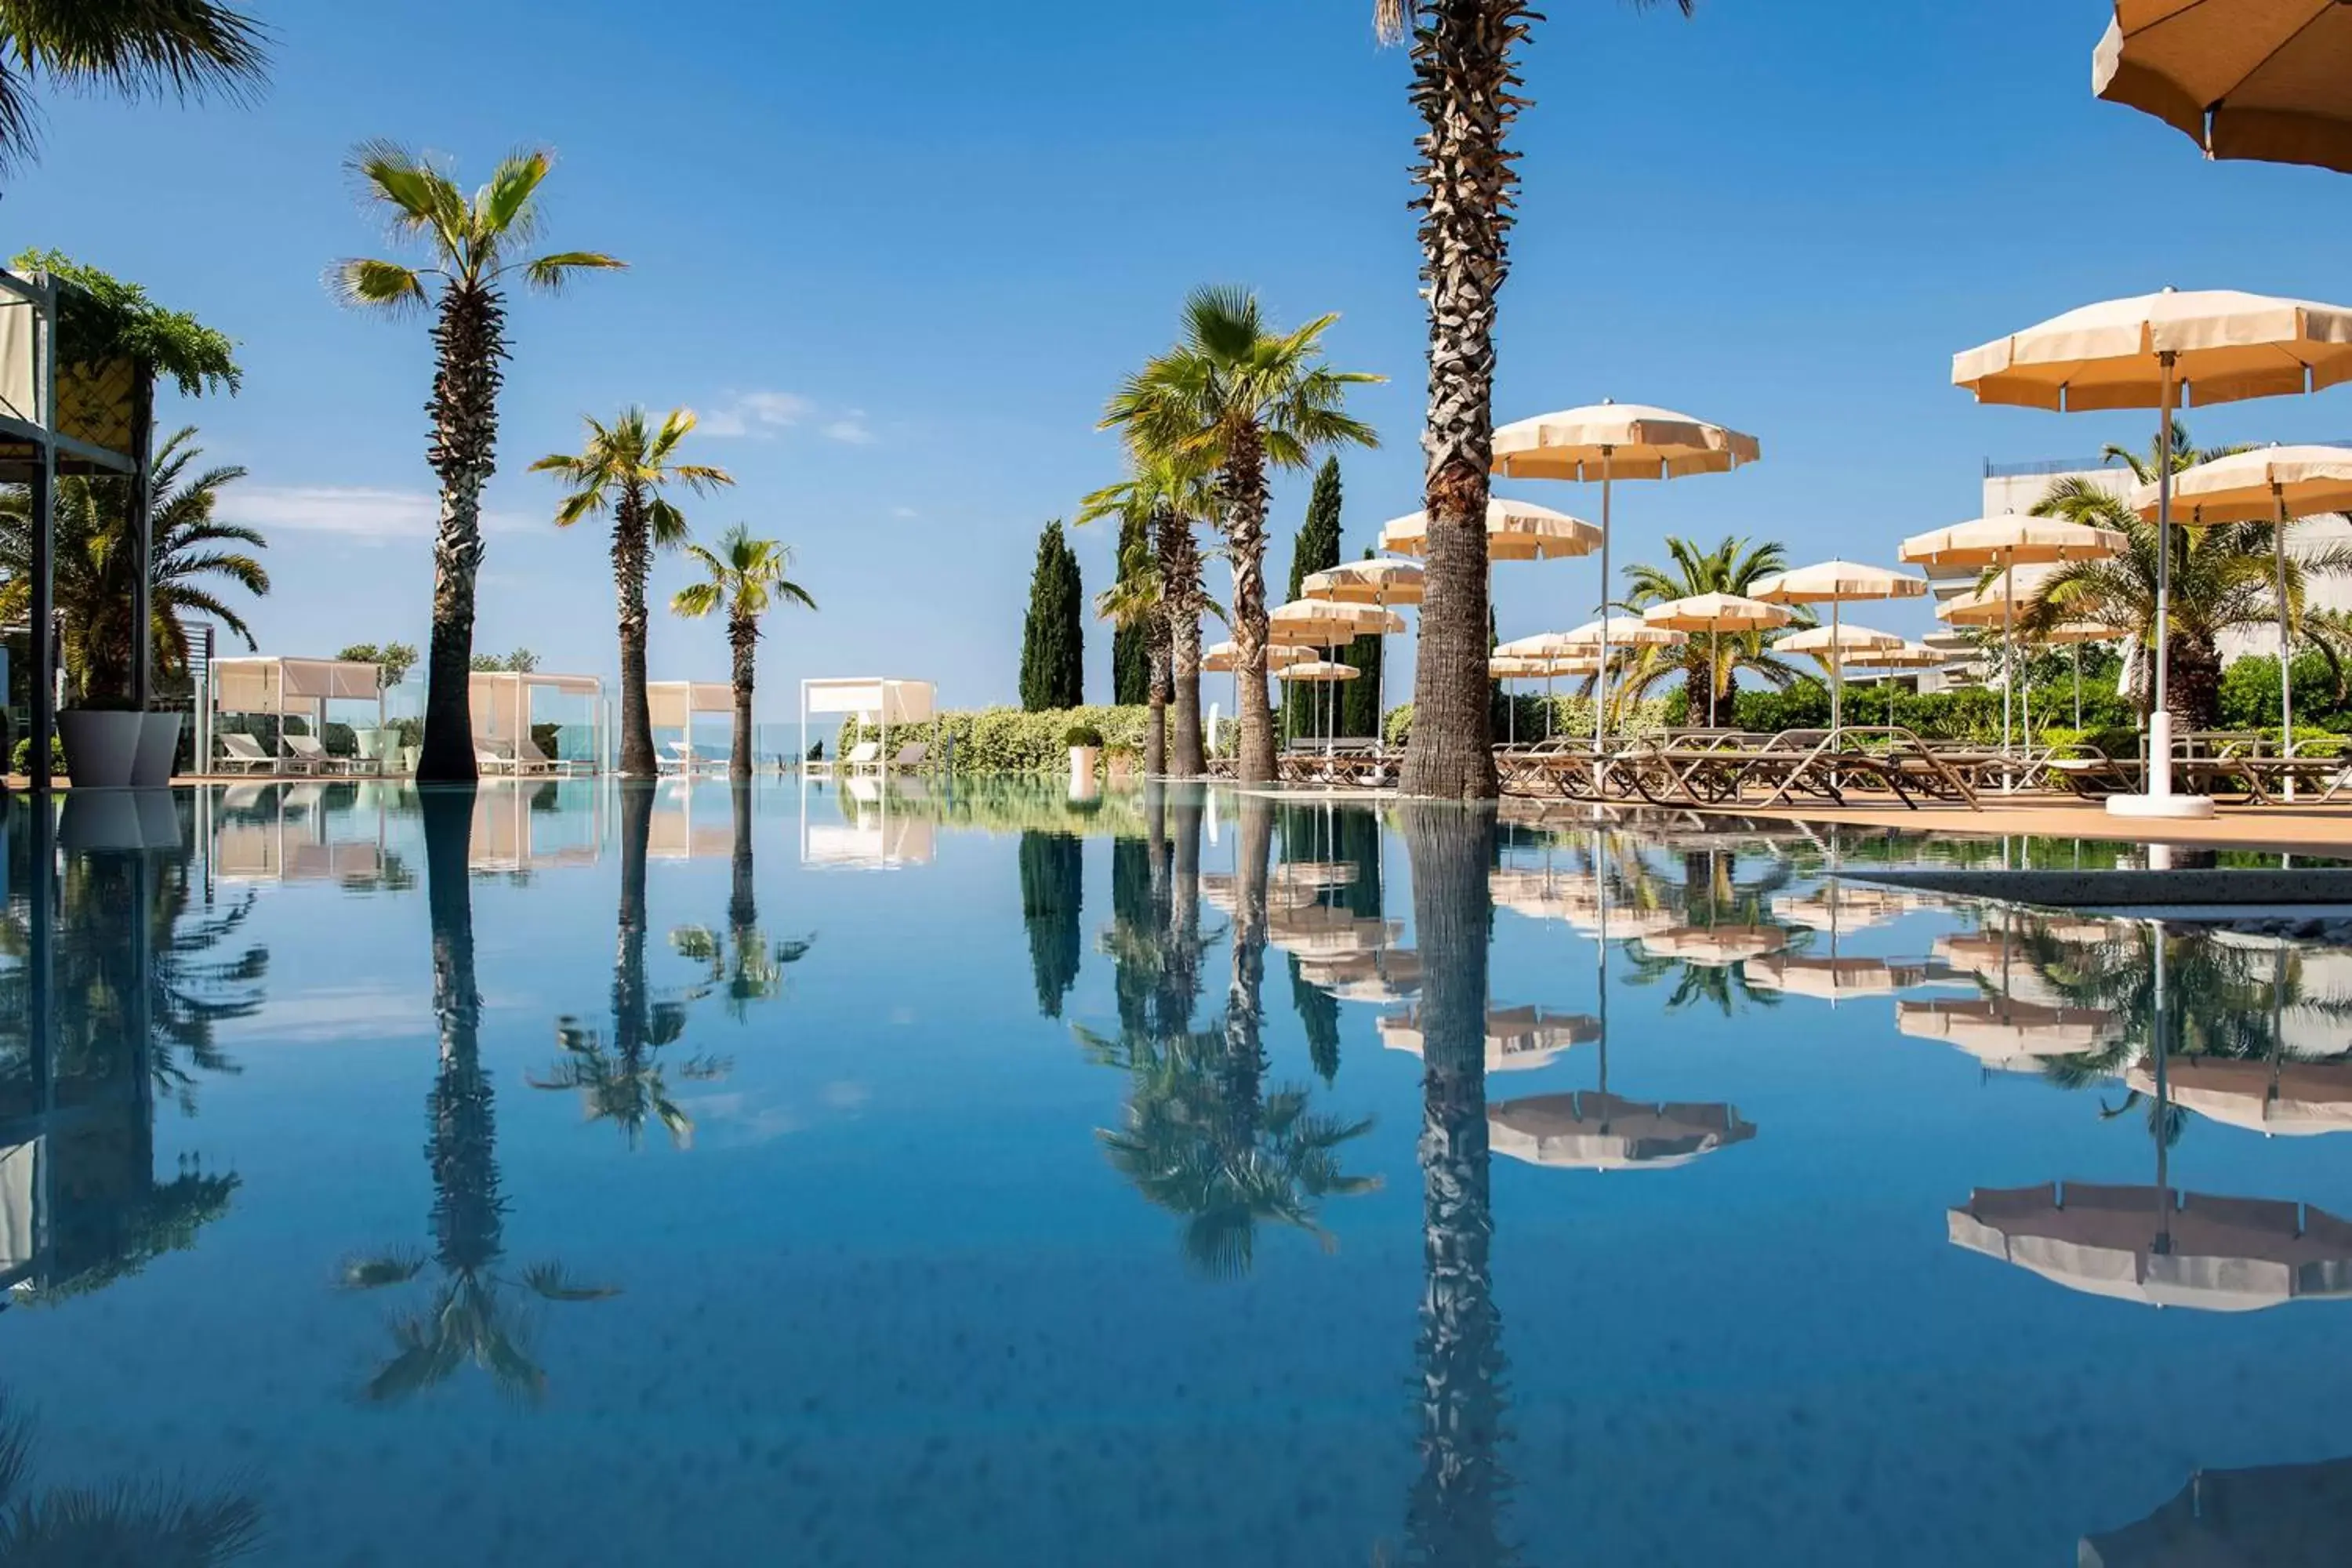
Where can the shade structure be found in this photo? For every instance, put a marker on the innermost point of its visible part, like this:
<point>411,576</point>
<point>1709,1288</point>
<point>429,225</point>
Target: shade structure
<point>2269,484</point>
<point>2149,351</point>
<point>672,705</point>
<point>2276,1516</point>
<point>1220,891</point>
<point>1377,583</point>
<point>266,683</point>
<point>1715,947</point>
<point>1987,607</point>
<point>503,704</point>
<point>2006,543</point>
<point>1843,906</point>
<point>1319,622</point>
<point>1619,631</point>
<point>1605,442</point>
<point>2007,1034</point>
<point>2268,79</point>
<point>2162,1247</point>
<point>883,702</point>
<point>1714,614</point>
<point>1839,644</point>
<point>1837,583</point>
<point>1518,1040</point>
<point>1595,1131</point>
<point>1909,655</point>
<point>1320,931</point>
<point>1508,667</point>
<point>1515,531</point>
<point>1223,657</point>
<point>1831,979</point>
<point>1319,671</point>
<point>2283,1098</point>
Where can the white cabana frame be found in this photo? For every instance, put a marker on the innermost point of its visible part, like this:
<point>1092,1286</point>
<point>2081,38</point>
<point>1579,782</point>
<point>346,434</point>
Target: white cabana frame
<point>877,700</point>
<point>275,684</point>
<point>672,705</point>
<point>500,701</point>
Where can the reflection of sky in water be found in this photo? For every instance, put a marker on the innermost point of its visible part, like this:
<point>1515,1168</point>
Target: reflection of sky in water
<point>894,1303</point>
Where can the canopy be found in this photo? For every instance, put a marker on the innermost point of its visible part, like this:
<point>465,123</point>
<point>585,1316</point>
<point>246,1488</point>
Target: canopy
<point>1222,658</point>
<point>1633,440</point>
<point>1518,1040</point>
<point>1831,979</point>
<point>265,683</point>
<point>875,699</point>
<point>1319,622</point>
<point>1909,655</point>
<point>2011,540</point>
<point>2224,345</point>
<point>1600,1131</point>
<point>2251,486</point>
<point>2270,79</point>
<point>2288,1099</point>
<point>1380,583</point>
<point>1515,531</point>
<point>2279,1516</point>
<point>673,703</point>
<point>1838,583</point>
<point>1715,612</point>
<point>1842,642</point>
<point>1316,671</point>
<point>2004,1033</point>
<point>1715,947</point>
<point>1522,667</point>
<point>1622,631</point>
<point>1389,976</point>
<point>501,700</point>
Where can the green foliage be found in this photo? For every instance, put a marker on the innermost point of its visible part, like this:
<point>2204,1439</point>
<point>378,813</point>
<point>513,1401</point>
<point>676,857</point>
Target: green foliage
<point>102,318</point>
<point>20,760</point>
<point>1053,878</point>
<point>2250,694</point>
<point>1130,642</point>
<point>1052,639</point>
<point>522,661</point>
<point>396,659</point>
<point>1008,741</point>
<point>1316,550</point>
<point>1083,735</point>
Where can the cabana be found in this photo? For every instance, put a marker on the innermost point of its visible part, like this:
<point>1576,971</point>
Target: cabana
<point>672,705</point>
<point>872,700</point>
<point>266,683</point>
<point>501,702</point>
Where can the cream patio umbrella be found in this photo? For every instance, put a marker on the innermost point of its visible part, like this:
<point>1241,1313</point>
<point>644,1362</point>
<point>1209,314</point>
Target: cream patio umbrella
<point>2070,635</point>
<point>1886,664</point>
<point>1714,614</point>
<point>1606,442</point>
<point>1326,624</point>
<point>2269,80</point>
<point>1379,584</point>
<point>1319,672</point>
<point>1835,645</point>
<point>2004,1034</point>
<point>1519,1040</point>
<point>1390,975</point>
<point>2219,346</point>
<point>1224,658</point>
<point>1515,531</point>
<point>2276,1096</point>
<point>1593,640</point>
<point>1507,667</point>
<point>2269,484</point>
<point>2005,544</point>
<point>1591,1129</point>
<point>1715,947</point>
<point>1838,583</point>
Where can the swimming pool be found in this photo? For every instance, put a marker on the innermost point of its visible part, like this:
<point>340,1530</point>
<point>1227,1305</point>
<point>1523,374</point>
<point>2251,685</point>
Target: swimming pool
<point>560,1173</point>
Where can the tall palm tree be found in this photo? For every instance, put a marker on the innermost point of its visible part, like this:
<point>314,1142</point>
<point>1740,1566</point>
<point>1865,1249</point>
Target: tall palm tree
<point>743,966</point>
<point>1242,399</point>
<point>1709,665</point>
<point>131,48</point>
<point>746,576</point>
<point>622,471</point>
<point>2223,579</point>
<point>1171,494</point>
<point>194,559</point>
<point>468,1318</point>
<point>1465,86</point>
<point>472,245</point>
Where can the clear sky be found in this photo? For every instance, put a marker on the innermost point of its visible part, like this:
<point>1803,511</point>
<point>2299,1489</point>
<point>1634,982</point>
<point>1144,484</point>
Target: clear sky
<point>898,255</point>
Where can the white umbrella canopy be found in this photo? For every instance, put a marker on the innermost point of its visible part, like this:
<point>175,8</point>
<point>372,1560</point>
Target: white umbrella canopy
<point>2283,1098</point>
<point>2162,1247</point>
<point>1715,947</point>
<point>1318,623</point>
<point>2004,1034</point>
<point>1319,671</point>
<point>1715,613</point>
<point>1838,583</point>
<point>1831,979</point>
<point>1223,657</point>
<point>1390,975</point>
<point>1596,1130</point>
<point>2269,80</point>
<point>1518,1040</point>
<point>1838,644</point>
<point>1622,631</point>
<point>1518,667</point>
<point>1378,583</point>
<point>2269,1516</point>
<point>1515,531</point>
<point>1904,655</point>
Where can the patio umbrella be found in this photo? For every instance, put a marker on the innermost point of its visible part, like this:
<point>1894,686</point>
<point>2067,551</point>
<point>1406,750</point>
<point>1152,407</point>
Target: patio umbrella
<point>2216,345</point>
<point>1714,614</point>
<point>1887,663</point>
<point>2008,542</point>
<point>1715,947</point>
<point>1591,1130</point>
<point>2274,485</point>
<point>1324,624</point>
<point>1519,1040</point>
<point>1515,531</point>
<point>1594,640</point>
<point>1508,668</point>
<point>1319,672</point>
<point>2005,1034</point>
<point>1379,584</point>
<point>1606,442</point>
<point>1224,658</point>
<point>1387,976</point>
<point>1831,980</point>
<point>1838,583</point>
<point>2274,1097</point>
<point>2274,1516</point>
<point>1835,645</point>
<point>2070,635</point>
<point>2269,80</point>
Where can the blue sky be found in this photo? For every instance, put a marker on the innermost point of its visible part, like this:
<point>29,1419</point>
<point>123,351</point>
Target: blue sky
<point>897,257</point>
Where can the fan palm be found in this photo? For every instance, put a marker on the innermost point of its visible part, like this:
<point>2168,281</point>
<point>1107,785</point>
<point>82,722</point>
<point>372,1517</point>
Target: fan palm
<point>746,577</point>
<point>622,471</point>
<point>1169,495</point>
<point>1240,399</point>
<point>1132,604</point>
<point>1465,86</point>
<point>1709,663</point>
<point>131,48</point>
<point>472,245</point>
<point>194,559</point>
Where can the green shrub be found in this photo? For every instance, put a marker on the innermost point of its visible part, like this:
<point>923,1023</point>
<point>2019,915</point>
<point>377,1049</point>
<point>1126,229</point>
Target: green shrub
<point>1079,736</point>
<point>1007,741</point>
<point>20,761</point>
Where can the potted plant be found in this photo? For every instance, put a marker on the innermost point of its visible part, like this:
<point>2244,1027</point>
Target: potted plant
<point>409,734</point>
<point>1085,745</point>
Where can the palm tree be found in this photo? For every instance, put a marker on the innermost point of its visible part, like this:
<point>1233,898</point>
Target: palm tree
<point>1710,667</point>
<point>468,1318</point>
<point>1236,397</point>
<point>1132,604</point>
<point>622,469</point>
<point>744,966</point>
<point>131,48</point>
<point>2223,579</point>
<point>1169,495</point>
<point>1465,88</point>
<point>194,561</point>
<point>152,1522</point>
<point>746,576</point>
<point>471,245</point>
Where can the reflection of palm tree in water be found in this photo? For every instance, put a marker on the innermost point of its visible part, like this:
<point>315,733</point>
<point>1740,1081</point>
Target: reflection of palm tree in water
<point>621,1077</point>
<point>1204,1137</point>
<point>745,967</point>
<point>467,1319</point>
<point>144,1524</point>
<point>1456,1513</point>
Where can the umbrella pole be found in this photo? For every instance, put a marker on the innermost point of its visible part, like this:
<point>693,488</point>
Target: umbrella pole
<point>1714,660</point>
<point>2286,662</point>
<point>1837,669</point>
<point>2078,691</point>
<point>2008,658</point>
<point>1600,679</point>
<point>2160,721</point>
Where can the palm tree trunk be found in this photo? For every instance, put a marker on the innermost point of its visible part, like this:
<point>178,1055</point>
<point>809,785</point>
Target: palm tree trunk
<point>1180,977</point>
<point>631,1004</point>
<point>2194,692</point>
<point>471,339</point>
<point>742,900</point>
<point>462,1146</point>
<point>632,565</point>
<point>1245,504</point>
<point>1180,578</point>
<point>1155,728</point>
<point>1244,1069</point>
<point>1465,86</point>
<point>743,635</point>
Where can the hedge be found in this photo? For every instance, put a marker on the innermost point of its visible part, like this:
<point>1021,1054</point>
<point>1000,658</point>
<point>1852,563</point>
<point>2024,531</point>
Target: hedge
<point>1007,741</point>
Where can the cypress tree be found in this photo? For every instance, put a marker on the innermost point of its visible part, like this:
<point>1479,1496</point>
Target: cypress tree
<point>1070,609</point>
<point>1360,700</point>
<point>1052,639</point>
<point>1316,550</point>
<point>1130,645</point>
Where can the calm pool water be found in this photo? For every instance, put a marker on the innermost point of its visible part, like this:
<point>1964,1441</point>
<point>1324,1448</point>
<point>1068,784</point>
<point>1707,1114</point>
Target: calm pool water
<point>557,1174</point>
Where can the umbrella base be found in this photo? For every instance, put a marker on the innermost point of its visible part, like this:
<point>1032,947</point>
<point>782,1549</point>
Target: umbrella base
<point>2169,807</point>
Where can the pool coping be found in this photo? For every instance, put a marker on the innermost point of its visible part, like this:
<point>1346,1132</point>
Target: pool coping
<point>2251,892</point>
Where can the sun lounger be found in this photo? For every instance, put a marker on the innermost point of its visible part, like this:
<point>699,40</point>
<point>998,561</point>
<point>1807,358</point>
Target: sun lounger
<point>910,756</point>
<point>310,756</point>
<point>529,759</point>
<point>488,759</point>
<point>243,754</point>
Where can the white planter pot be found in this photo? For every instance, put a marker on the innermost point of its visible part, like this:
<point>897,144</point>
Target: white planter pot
<point>408,756</point>
<point>101,748</point>
<point>1084,763</point>
<point>159,742</point>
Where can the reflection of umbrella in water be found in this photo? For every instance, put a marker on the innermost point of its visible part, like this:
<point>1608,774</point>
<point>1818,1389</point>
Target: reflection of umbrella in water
<point>1715,947</point>
<point>1576,898</point>
<point>2279,1516</point>
<point>2290,1098</point>
<point>1218,891</point>
<point>1517,1038</point>
<point>1593,1129</point>
<point>2006,1033</point>
<point>1836,906</point>
<point>1387,976</point>
<point>1831,979</point>
<point>1318,931</point>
